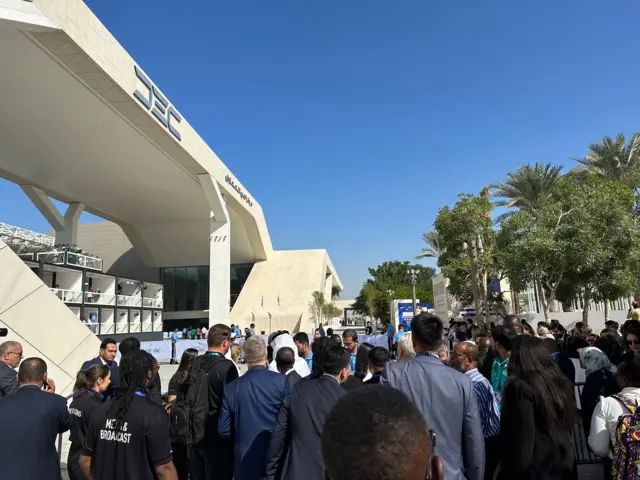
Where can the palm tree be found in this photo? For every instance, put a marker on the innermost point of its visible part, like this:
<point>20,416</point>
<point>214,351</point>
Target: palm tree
<point>528,188</point>
<point>614,159</point>
<point>435,245</point>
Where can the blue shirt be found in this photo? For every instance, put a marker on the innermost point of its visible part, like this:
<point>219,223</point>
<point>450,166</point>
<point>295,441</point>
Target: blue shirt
<point>238,331</point>
<point>352,363</point>
<point>390,330</point>
<point>487,404</point>
<point>309,360</point>
<point>175,336</point>
<point>397,336</point>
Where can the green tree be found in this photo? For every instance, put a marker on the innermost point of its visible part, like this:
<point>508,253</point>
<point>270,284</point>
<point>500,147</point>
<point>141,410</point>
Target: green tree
<point>374,297</point>
<point>617,159</point>
<point>435,245</point>
<point>470,257</point>
<point>529,188</point>
<point>316,306</point>
<point>584,242</point>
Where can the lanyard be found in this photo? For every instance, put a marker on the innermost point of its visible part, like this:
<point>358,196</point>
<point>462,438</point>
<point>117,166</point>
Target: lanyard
<point>213,354</point>
<point>423,354</point>
<point>140,394</point>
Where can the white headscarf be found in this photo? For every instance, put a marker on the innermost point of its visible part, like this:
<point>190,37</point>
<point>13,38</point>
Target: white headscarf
<point>286,340</point>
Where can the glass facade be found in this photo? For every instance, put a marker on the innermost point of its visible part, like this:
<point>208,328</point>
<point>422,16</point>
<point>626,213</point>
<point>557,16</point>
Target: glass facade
<point>187,288</point>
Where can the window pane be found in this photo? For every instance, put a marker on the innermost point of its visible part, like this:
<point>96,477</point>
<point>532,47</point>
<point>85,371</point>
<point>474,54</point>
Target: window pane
<point>191,287</point>
<point>181,283</point>
<point>168,276</point>
<point>203,288</point>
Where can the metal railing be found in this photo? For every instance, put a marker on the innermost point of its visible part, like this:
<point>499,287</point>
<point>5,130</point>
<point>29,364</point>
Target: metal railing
<point>68,296</point>
<point>98,298</point>
<point>129,301</point>
<point>579,440</point>
<point>63,257</point>
<point>152,302</point>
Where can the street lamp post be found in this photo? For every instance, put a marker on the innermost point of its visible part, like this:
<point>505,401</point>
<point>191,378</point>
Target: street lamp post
<point>413,275</point>
<point>390,293</point>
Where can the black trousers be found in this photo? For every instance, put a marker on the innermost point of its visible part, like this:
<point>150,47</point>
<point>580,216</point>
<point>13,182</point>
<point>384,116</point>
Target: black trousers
<point>75,473</point>
<point>181,460</point>
<point>491,457</point>
<point>211,461</point>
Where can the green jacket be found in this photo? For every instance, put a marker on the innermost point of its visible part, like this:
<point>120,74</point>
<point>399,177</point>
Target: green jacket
<point>499,378</point>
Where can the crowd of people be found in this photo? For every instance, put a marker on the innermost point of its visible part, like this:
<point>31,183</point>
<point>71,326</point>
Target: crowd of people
<point>499,404</point>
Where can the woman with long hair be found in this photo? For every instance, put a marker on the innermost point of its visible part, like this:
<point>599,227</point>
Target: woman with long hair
<point>600,382</point>
<point>538,413</point>
<point>133,429</point>
<point>361,372</point>
<point>180,454</point>
<point>87,398</point>
<point>188,356</point>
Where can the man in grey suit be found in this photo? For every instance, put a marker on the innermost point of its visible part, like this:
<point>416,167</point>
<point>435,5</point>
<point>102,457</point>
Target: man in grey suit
<point>10,356</point>
<point>446,399</point>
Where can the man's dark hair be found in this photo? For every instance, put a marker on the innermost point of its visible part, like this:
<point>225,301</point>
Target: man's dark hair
<point>379,357</point>
<point>612,324</point>
<point>350,333</point>
<point>32,370</point>
<point>334,359</point>
<point>630,370</point>
<point>504,336</point>
<point>218,334</point>
<point>301,337</point>
<point>128,345</point>
<point>427,331</point>
<point>363,421</point>
<point>329,331</point>
<point>336,338</point>
<point>285,359</point>
<point>551,345</point>
<point>135,367</point>
<point>107,341</point>
<point>401,326</point>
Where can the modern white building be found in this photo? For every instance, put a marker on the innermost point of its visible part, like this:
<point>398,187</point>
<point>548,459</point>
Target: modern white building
<point>82,123</point>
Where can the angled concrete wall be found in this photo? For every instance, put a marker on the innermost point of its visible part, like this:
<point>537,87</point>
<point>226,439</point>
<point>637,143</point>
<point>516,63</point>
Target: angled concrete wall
<point>44,325</point>
<point>290,275</point>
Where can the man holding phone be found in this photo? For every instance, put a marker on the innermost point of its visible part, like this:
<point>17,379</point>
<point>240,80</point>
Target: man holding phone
<point>32,419</point>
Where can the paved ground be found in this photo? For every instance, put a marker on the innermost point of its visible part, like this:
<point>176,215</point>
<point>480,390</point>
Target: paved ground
<point>585,472</point>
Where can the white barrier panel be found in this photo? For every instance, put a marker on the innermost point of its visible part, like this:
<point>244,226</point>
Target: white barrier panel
<point>161,350</point>
<point>200,345</point>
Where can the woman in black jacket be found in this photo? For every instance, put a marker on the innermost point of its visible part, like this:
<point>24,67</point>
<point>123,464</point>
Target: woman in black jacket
<point>538,413</point>
<point>87,398</point>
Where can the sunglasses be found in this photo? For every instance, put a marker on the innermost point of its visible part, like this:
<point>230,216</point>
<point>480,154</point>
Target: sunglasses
<point>633,342</point>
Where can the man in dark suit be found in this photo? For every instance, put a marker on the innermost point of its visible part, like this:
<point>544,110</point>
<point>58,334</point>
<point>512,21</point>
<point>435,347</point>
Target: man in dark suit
<point>285,361</point>
<point>30,421</point>
<point>446,399</point>
<point>250,406</point>
<point>10,356</point>
<point>106,356</point>
<point>378,358</point>
<point>296,445</point>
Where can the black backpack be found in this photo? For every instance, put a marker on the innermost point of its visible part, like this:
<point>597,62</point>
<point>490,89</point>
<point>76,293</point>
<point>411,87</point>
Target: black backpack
<point>190,409</point>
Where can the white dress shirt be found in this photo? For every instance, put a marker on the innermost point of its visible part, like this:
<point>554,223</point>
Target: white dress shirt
<point>604,422</point>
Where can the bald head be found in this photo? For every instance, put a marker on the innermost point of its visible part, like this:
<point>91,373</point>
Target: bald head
<point>32,370</point>
<point>464,357</point>
<point>484,344</point>
<point>513,322</point>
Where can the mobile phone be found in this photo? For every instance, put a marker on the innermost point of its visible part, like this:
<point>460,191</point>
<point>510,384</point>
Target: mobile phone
<point>4,332</point>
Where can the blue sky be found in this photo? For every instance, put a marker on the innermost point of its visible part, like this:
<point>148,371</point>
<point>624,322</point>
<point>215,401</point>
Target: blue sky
<point>352,122</point>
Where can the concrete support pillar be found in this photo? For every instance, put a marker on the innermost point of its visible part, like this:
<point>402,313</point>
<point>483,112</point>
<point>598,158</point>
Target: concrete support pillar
<point>219,253</point>
<point>66,226</point>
